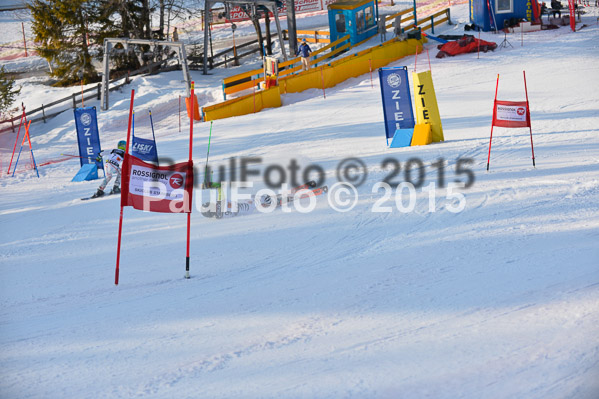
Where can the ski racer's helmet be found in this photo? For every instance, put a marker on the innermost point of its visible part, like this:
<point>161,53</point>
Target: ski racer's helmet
<point>122,145</point>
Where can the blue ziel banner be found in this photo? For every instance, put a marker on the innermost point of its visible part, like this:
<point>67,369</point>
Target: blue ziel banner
<point>397,102</point>
<point>145,149</point>
<point>88,137</point>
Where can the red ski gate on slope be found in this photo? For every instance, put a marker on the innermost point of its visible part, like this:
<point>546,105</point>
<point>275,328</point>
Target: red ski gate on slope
<point>152,188</point>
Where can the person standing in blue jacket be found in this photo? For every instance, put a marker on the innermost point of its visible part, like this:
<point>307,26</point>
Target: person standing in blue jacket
<point>304,51</point>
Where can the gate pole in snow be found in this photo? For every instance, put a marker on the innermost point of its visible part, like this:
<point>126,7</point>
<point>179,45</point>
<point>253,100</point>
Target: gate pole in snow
<point>33,165</point>
<point>192,98</point>
<point>494,111</point>
<point>529,122</point>
<point>23,115</point>
<point>118,249</point>
<point>153,135</point>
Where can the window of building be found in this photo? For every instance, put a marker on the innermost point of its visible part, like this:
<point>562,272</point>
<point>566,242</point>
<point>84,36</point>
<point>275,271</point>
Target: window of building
<point>369,17</point>
<point>504,6</point>
<point>360,21</point>
<point>340,23</point>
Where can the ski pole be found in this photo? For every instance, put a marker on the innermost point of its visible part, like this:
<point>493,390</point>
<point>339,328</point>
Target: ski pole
<point>153,135</point>
<point>207,154</point>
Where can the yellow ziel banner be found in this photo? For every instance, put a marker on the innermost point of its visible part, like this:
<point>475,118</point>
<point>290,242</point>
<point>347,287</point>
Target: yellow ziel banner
<point>427,110</point>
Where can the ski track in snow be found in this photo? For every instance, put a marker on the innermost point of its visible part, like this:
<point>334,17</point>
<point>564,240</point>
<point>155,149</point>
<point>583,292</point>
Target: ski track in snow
<point>500,300</point>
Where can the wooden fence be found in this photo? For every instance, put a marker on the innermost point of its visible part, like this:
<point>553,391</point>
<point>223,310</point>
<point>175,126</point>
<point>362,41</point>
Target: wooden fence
<point>44,112</point>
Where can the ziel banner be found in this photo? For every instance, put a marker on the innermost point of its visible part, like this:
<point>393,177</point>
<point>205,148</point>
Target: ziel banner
<point>152,188</point>
<point>397,103</point>
<point>427,111</point>
<point>86,124</point>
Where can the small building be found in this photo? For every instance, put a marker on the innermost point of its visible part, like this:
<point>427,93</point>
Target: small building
<point>354,17</point>
<point>502,13</point>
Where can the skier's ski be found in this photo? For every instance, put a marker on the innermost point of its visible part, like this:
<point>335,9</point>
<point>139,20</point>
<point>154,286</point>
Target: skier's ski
<point>101,196</point>
<point>305,194</point>
<point>306,186</point>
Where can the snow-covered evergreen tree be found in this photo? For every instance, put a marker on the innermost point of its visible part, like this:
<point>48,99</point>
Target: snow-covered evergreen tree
<point>62,31</point>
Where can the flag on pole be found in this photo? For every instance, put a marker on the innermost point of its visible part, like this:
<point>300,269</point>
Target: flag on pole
<point>152,188</point>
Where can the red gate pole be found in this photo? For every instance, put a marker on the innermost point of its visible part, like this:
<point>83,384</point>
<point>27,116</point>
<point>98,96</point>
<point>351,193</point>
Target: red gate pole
<point>31,148</point>
<point>179,113</point>
<point>429,61</point>
<point>529,122</point>
<point>16,140</point>
<point>493,122</point>
<point>190,157</point>
<point>125,167</point>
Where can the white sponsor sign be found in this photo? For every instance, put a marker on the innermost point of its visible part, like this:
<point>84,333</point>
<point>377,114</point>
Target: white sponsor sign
<point>515,113</point>
<point>155,183</point>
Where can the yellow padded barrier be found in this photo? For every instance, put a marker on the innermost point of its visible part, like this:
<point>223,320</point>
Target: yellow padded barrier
<point>247,104</point>
<point>329,75</point>
<point>423,135</point>
<point>349,67</point>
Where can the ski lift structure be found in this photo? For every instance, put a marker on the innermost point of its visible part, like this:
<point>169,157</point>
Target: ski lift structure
<point>270,5</point>
<point>109,44</point>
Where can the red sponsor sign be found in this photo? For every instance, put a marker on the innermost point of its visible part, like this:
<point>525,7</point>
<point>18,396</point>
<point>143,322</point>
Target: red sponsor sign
<point>511,114</point>
<point>154,188</point>
<point>301,6</point>
<point>572,7</point>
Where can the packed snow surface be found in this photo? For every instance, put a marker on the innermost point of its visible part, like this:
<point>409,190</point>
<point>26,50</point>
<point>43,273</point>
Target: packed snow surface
<point>498,300</point>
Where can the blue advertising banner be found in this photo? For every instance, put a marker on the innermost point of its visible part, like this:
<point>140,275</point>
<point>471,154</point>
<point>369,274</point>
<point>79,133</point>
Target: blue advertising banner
<point>86,123</point>
<point>145,149</point>
<point>397,102</point>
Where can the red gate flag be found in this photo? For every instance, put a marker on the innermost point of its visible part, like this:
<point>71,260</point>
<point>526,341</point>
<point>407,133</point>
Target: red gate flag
<point>511,114</point>
<point>152,188</point>
<point>572,7</point>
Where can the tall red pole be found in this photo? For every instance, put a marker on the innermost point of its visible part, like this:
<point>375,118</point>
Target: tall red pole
<point>529,122</point>
<point>416,59</point>
<point>190,159</point>
<point>16,140</point>
<point>125,167</point>
<point>429,61</point>
<point>33,165</point>
<point>493,122</point>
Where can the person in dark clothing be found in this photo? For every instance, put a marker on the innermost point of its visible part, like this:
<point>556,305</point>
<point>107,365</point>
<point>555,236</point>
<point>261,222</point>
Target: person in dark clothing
<point>556,7</point>
<point>304,51</point>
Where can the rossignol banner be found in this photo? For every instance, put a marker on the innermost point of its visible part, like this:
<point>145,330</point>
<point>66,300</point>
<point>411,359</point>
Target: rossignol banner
<point>144,149</point>
<point>152,188</point>
<point>86,123</point>
<point>397,103</point>
<point>427,111</point>
<point>511,114</point>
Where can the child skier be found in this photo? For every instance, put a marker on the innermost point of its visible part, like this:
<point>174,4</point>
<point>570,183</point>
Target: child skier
<point>112,167</point>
